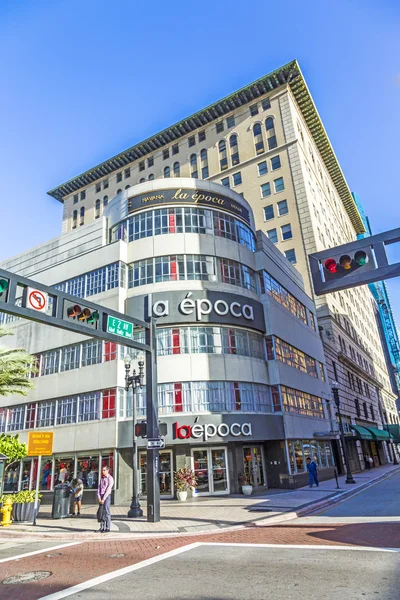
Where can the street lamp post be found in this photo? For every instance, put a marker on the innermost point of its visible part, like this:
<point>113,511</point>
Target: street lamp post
<point>134,381</point>
<point>335,392</point>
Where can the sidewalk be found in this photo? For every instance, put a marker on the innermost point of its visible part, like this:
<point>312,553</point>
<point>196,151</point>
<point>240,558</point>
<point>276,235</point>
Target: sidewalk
<point>200,515</point>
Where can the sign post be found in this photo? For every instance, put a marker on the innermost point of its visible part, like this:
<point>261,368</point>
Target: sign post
<point>39,444</point>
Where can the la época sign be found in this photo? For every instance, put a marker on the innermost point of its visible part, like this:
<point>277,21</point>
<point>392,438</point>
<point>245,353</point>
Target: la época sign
<point>209,430</point>
<point>203,306</point>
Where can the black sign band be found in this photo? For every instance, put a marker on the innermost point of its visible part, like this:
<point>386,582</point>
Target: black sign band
<point>188,196</point>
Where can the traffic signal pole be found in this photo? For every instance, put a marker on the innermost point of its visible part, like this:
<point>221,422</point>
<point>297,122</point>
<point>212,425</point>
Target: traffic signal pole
<point>153,454</point>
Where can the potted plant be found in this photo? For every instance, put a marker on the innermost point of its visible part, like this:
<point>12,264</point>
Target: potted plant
<point>185,479</point>
<point>23,505</point>
<point>247,488</point>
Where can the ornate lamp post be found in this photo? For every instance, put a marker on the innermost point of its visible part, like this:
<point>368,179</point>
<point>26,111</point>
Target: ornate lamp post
<point>335,392</point>
<point>134,381</point>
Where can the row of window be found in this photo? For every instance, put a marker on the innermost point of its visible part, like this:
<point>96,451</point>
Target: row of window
<point>183,220</point>
<point>279,186</point>
<point>286,233</point>
<point>281,208</point>
<point>365,408</point>
<point>318,450</point>
<point>95,282</point>
<point>278,349</point>
<point>301,403</point>
<point>259,136</point>
<point>352,383</point>
<point>270,286</point>
<point>180,267</point>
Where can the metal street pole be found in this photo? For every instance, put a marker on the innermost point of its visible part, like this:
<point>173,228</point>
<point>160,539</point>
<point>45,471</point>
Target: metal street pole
<point>153,455</point>
<point>335,391</point>
<point>135,380</point>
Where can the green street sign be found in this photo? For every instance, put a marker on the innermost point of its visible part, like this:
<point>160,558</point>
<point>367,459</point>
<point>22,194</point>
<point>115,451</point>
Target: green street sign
<point>119,327</point>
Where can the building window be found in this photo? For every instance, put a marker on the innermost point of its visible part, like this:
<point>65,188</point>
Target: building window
<point>223,159</point>
<point>253,110</point>
<point>291,257</point>
<point>269,124</point>
<point>74,219</point>
<point>271,137</point>
<point>175,149</point>
<point>237,178</point>
<point>202,136</point>
<point>225,182</point>
<point>301,403</point>
<point>269,212</point>
<point>119,176</point>
<point>204,164</point>
<point>141,166</point>
<point>89,407</point>
<point>220,127</point>
<point>270,286</point>
<point>365,410</point>
<point>234,150</point>
<point>262,168</point>
<point>127,173</point>
<point>273,236</point>
<point>237,274</point>
<point>82,216</point>
<point>109,404</point>
<point>289,355</point>
<point>46,414</point>
<point>171,268</point>
<point>266,104</point>
<point>177,169</point>
<point>283,208</point>
<point>371,408</point>
<point>105,200</point>
<point>191,141</point>
<point>275,163</point>
<point>105,184</point>
<point>76,198</point>
<point>167,172</point>
<point>258,138</point>
<point>91,353</point>
<point>357,405</point>
<point>165,154</point>
<point>83,195</point>
<point>97,209</point>
<point>265,190</point>
<point>150,161</point>
<point>151,176</point>
<point>279,185</point>
<point>286,231</point>
<point>119,191</point>
<point>193,166</point>
<point>230,121</point>
<point>70,356</point>
<point>142,180</point>
<point>98,187</point>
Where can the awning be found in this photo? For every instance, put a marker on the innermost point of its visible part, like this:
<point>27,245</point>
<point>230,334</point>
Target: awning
<point>380,435</point>
<point>395,432</point>
<point>362,433</point>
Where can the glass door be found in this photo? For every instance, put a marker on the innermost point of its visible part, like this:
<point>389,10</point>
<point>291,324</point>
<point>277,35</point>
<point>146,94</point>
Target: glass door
<point>165,474</point>
<point>211,469</point>
<point>254,466</point>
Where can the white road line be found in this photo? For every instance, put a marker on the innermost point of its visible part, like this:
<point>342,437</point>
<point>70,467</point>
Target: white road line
<point>108,576</point>
<point>303,547</point>
<point>19,556</point>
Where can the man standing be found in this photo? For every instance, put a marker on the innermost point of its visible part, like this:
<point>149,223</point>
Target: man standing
<point>312,469</point>
<point>104,496</point>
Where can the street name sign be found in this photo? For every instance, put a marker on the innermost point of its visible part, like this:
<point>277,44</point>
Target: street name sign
<point>119,327</point>
<point>155,444</point>
<point>40,444</point>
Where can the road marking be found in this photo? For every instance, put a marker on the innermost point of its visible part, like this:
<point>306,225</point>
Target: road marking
<point>113,574</point>
<point>3,560</point>
<point>303,547</point>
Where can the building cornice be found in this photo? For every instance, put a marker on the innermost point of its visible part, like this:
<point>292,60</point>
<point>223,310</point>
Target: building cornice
<point>290,74</point>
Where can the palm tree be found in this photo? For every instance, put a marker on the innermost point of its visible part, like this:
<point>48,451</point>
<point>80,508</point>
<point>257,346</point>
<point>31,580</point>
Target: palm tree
<point>15,366</point>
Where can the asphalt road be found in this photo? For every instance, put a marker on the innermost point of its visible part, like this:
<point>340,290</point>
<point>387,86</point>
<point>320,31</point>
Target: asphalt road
<point>226,572</point>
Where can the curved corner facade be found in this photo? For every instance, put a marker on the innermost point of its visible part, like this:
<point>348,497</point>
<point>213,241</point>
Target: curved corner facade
<point>241,377</point>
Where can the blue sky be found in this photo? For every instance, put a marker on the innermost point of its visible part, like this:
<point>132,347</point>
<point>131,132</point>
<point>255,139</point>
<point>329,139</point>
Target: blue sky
<point>82,81</point>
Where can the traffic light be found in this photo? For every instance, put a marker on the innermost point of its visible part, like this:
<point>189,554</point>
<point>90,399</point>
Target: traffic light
<point>82,314</point>
<point>162,429</point>
<point>338,266</point>
<point>141,429</point>
<point>4,285</point>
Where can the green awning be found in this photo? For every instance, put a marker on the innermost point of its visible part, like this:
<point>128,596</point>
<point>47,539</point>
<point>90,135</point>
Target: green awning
<point>362,433</point>
<point>380,435</point>
<point>395,432</point>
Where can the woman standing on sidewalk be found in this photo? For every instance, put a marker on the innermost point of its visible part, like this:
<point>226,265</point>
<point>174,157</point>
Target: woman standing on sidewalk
<point>104,496</point>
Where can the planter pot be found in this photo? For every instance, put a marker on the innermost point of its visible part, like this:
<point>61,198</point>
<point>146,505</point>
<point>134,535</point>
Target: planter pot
<point>195,493</point>
<point>23,512</point>
<point>181,496</point>
<point>247,490</point>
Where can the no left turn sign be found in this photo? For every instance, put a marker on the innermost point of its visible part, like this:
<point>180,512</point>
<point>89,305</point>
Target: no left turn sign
<point>36,300</point>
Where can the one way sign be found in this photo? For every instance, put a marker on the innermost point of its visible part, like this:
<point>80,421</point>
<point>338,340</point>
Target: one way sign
<point>155,443</point>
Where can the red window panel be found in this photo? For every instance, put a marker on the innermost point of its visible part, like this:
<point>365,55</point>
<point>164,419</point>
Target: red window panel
<point>276,400</point>
<point>173,269</point>
<point>238,402</point>
<point>110,351</point>
<point>176,341</point>
<point>218,226</point>
<point>232,341</point>
<point>270,348</point>
<point>178,397</point>
<point>109,402</point>
<point>172,223</point>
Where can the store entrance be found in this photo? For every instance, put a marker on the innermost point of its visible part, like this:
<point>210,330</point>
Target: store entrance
<point>165,474</point>
<point>254,466</point>
<point>210,466</point>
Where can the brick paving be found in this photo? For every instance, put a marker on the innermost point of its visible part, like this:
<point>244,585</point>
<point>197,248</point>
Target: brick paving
<point>76,564</point>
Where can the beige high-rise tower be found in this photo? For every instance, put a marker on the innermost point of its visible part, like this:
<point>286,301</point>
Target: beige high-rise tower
<point>267,142</point>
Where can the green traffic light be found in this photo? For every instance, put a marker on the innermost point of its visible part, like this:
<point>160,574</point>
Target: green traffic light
<point>4,283</point>
<point>94,317</point>
<point>361,258</point>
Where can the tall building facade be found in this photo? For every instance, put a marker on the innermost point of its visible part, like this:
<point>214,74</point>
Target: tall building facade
<point>267,142</point>
<point>242,384</point>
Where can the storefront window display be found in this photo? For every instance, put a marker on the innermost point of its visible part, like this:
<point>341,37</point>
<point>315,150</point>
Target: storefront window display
<point>165,473</point>
<point>26,474</point>
<point>63,470</point>
<point>318,450</point>
<point>88,471</point>
<point>10,479</point>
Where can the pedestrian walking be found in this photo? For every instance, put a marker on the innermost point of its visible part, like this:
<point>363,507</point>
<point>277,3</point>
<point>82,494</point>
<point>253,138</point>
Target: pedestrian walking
<point>367,462</point>
<point>312,469</point>
<point>77,488</point>
<point>104,496</point>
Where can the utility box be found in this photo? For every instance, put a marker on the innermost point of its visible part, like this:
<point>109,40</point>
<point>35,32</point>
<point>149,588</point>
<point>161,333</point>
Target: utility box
<point>61,501</point>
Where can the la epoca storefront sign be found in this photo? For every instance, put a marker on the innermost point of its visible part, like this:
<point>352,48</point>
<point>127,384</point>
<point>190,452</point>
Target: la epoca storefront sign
<point>210,430</point>
<point>206,306</point>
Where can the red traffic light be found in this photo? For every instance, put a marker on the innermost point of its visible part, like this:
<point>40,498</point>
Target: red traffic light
<point>330,265</point>
<point>141,429</point>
